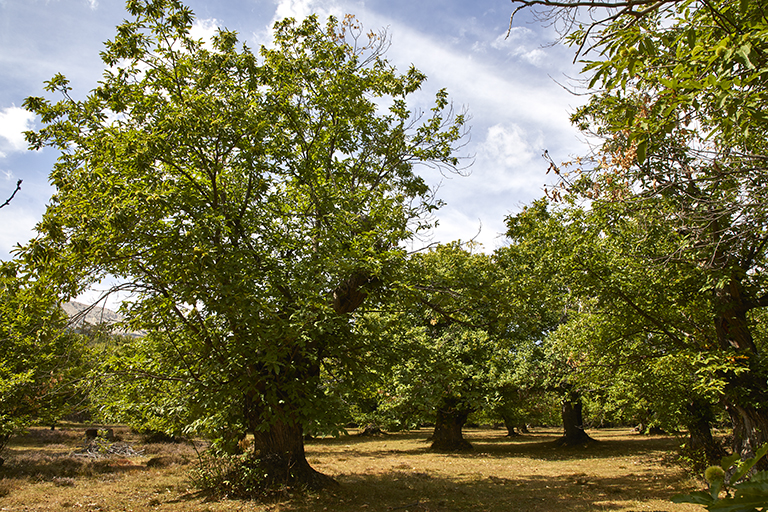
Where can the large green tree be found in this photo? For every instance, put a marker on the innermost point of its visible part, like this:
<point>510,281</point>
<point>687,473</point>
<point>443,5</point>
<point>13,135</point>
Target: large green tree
<point>683,85</point>
<point>249,202</point>
<point>434,364</point>
<point>40,361</point>
<point>536,284</point>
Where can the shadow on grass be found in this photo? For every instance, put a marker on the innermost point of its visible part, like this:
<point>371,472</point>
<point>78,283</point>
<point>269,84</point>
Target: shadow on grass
<point>417,491</point>
<point>37,438</point>
<point>600,449</point>
<point>533,446</point>
<point>42,467</point>
<point>355,439</point>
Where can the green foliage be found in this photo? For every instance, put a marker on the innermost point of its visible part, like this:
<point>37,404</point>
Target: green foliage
<point>228,476</point>
<point>741,494</point>
<point>251,203</point>
<point>438,353</point>
<point>671,248</point>
<point>40,361</point>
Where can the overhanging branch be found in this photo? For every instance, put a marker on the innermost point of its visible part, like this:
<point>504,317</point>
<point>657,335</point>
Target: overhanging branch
<point>7,202</point>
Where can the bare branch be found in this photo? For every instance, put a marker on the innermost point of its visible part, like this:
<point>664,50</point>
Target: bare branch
<point>567,11</point>
<point>18,187</point>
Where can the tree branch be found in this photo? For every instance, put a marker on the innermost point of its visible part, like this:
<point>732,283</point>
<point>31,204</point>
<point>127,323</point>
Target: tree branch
<point>18,187</point>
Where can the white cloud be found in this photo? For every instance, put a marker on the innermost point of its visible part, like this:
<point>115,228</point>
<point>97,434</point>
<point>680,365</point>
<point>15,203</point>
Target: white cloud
<point>93,3</point>
<point>536,57</point>
<point>300,9</point>
<point>205,30</point>
<point>507,145</point>
<point>508,38</point>
<point>518,43</point>
<point>14,121</point>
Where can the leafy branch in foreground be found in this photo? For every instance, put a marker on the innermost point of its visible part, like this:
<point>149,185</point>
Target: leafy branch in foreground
<point>741,495</point>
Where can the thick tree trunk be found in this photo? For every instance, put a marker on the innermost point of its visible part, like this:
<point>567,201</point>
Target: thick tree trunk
<point>746,395</point>
<point>573,422</point>
<point>699,427</point>
<point>510,427</point>
<point>278,441</point>
<point>279,453</point>
<point>448,425</point>
<point>750,431</point>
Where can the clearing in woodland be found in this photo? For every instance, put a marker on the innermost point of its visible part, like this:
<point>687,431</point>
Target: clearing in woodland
<point>392,472</point>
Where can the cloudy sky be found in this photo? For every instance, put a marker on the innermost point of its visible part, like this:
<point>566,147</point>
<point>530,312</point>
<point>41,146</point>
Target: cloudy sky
<point>510,86</point>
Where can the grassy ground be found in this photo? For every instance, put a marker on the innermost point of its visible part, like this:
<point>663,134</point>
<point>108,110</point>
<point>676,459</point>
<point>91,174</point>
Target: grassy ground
<point>623,472</point>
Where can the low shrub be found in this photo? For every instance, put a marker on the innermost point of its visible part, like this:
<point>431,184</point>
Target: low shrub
<point>230,476</point>
<point>743,489</point>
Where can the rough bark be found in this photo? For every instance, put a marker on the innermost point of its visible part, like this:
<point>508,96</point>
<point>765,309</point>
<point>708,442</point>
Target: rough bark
<point>573,422</point>
<point>746,395</point>
<point>278,450</point>
<point>699,427</point>
<point>750,431</point>
<point>280,454</point>
<point>448,435</point>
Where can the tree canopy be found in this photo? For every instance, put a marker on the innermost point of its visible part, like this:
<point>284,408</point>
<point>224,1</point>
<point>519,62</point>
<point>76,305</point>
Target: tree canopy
<point>249,202</point>
<point>676,189</point>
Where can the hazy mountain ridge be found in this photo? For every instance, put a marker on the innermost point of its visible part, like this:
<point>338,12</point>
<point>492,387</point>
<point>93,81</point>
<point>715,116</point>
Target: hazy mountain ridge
<point>80,314</point>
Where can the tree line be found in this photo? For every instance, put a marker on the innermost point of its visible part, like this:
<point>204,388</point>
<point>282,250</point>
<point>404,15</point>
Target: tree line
<point>257,205</point>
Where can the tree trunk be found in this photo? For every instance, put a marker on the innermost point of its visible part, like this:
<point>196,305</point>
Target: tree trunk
<point>450,420</point>
<point>699,427</point>
<point>573,422</point>
<point>746,395</point>
<point>750,431</point>
<point>279,453</point>
<point>278,437</point>
<point>510,424</point>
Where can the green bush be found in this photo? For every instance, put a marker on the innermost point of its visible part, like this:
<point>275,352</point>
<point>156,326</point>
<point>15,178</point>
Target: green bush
<point>741,494</point>
<point>229,476</point>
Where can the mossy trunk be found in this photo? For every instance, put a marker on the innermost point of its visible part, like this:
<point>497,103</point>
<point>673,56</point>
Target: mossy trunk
<point>449,423</point>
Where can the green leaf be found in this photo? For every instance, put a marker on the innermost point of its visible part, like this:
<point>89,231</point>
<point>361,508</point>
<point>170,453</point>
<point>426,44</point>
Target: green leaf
<point>697,497</point>
<point>641,151</point>
<point>743,6</point>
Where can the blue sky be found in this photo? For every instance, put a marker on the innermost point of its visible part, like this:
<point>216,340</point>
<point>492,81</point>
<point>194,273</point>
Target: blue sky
<point>509,85</point>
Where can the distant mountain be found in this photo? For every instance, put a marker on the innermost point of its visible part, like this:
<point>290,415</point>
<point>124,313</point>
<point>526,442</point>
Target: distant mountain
<point>80,313</point>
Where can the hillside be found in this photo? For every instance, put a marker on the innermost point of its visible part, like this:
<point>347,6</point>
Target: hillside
<point>80,313</point>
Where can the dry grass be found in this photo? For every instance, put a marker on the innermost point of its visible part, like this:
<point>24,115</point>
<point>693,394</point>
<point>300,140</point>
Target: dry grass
<point>623,472</point>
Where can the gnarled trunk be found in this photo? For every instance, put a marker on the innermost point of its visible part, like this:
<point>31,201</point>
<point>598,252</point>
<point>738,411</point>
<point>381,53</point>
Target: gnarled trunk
<point>750,430</point>
<point>699,424</point>
<point>746,395</point>
<point>573,422</point>
<point>278,435</point>
<point>280,454</point>
<point>451,418</point>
